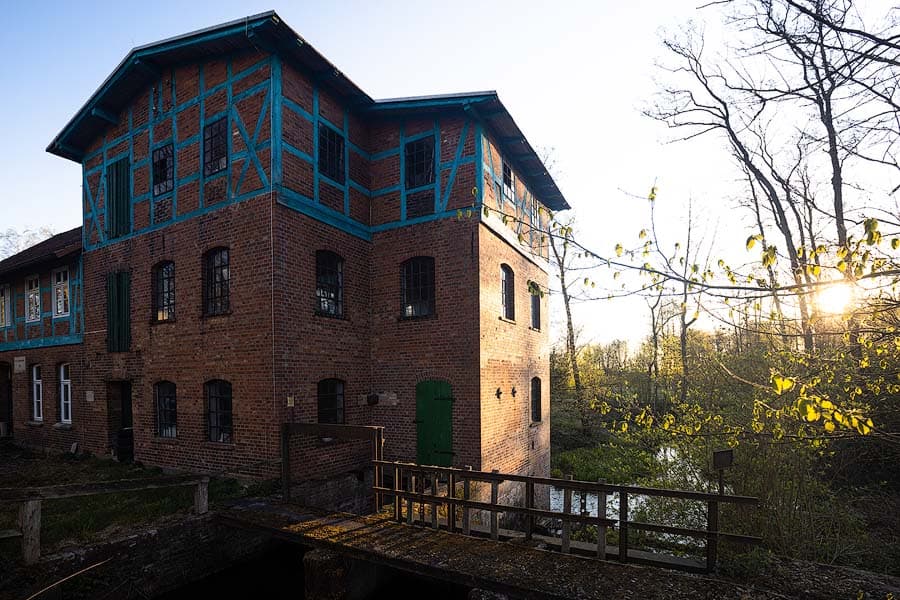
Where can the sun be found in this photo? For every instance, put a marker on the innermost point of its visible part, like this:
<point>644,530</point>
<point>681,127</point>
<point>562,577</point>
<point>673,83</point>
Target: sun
<point>834,299</point>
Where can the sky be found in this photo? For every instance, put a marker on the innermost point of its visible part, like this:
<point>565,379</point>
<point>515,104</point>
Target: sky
<point>575,76</point>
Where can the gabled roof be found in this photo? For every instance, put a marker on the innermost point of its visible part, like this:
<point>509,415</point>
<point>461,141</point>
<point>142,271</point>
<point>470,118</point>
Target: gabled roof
<point>52,249</point>
<point>143,65</point>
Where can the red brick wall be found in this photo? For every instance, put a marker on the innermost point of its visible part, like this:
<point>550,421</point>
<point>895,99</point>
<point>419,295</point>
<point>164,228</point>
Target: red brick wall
<point>511,354</point>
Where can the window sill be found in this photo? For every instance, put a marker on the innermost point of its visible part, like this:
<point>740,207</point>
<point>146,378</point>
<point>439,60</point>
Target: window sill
<point>205,316</point>
<point>418,318</point>
<point>63,426</point>
<point>158,322</point>
<point>60,317</point>
<point>536,424</point>
<point>219,445</point>
<point>505,320</point>
<point>319,313</point>
<point>537,329</point>
<point>167,440</point>
<point>34,423</point>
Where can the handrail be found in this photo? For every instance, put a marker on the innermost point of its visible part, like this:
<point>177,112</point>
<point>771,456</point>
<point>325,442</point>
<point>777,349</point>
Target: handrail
<point>410,489</point>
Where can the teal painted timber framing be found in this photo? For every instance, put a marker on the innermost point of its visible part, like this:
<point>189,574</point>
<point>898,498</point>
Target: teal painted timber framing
<point>158,113</point>
<point>75,318</point>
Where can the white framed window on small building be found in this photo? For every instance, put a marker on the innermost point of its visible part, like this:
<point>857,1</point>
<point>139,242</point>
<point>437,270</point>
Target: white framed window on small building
<point>37,394</point>
<point>65,394</point>
<point>33,299</point>
<point>6,316</point>
<point>61,292</point>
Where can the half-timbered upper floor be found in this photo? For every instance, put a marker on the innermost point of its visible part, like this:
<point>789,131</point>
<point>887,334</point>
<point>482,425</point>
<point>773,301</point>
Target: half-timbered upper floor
<point>215,117</point>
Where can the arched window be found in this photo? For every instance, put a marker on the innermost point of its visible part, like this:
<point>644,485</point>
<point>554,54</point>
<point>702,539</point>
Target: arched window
<point>165,397</point>
<point>216,282</point>
<point>218,410</point>
<point>65,393</point>
<point>417,286</point>
<point>534,291</point>
<point>164,291</point>
<point>508,292</point>
<point>329,284</point>
<point>536,404</point>
<point>331,401</point>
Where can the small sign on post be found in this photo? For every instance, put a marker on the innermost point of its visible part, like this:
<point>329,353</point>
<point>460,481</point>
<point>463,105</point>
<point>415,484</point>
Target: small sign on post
<point>722,459</point>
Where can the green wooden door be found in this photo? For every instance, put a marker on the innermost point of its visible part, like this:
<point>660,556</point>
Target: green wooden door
<point>434,423</point>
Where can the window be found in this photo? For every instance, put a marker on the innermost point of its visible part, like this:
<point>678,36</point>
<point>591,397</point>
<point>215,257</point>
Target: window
<point>218,407</point>
<point>331,153</point>
<point>536,399</point>
<point>331,401</point>
<point>534,291</point>
<point>417,286</point>
<point>164,291</point>
<point>6,316</point>
<point>216,282</point>
<point>508,292</point>
<point>166,413</point>
<point>65,394</point>
<point>118,198</point>
<point>329,284</point>
<point>509,183</point>
<point>118,311</point>
<point>37,394</point>
<point>33,298</point>
<point>215,147</point>
<point>163,169</point>
<point>61,292</point>
<point>419,162</point>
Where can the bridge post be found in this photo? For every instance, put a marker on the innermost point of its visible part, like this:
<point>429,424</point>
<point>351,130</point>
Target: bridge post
<point>451,502</point>
<point>529,503</point>
<point>623,526</point>
<point>712,527</point>
<point>495,497</point>
<point>201,496</point>
<point>601,524</point>
<point>409,501</point>
<point>566,525</point>
<point>398,507</point>
<point>467,530</point>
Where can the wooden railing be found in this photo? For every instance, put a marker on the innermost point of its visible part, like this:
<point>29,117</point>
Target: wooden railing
<point>30,498</point>
<point>409,488</point>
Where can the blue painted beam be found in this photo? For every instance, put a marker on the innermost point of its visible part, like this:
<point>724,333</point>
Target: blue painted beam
<point>107,116</point>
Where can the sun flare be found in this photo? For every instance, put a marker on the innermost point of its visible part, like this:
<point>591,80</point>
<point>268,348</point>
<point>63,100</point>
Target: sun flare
<point>834,299</point>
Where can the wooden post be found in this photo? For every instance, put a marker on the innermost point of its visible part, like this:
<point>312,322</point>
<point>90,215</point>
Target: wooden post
<point>201,497</point>
<point>435,504</point>
<point>712,526</point>
<point>466,496</point>
<point>566,525</point>
<point>286,462</point>
<point>623,526</point>
<point>601,524</point>
<point>451,502</point>
<point>376,455</point>
<point>398,507</point>
<point>30,526</point>
<point>529,503</point>
<point>409,501</point>
<point>495,497</point>
<point>421,490</point>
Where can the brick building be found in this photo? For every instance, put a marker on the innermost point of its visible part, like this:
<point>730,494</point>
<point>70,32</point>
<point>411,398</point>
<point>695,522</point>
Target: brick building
<point>264,243</point>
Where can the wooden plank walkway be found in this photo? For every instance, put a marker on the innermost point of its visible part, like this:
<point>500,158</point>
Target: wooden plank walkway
<point>513,568</point>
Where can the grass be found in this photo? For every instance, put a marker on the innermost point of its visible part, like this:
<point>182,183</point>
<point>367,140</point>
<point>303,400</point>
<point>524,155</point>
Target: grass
<point>87,518</point>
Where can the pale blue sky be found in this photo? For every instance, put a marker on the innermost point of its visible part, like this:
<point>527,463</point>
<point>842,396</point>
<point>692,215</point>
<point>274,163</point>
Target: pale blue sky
<point>573,74</point>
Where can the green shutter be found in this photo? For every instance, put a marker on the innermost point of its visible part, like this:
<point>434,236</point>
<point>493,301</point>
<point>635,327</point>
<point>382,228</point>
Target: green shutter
<point>112,313</point>
<point>118,198</point>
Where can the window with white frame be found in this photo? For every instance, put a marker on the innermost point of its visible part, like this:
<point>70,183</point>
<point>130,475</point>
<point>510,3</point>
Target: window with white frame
<point>65,394</point>
<point>33,298</point>
<point>61,292</point>
<point>37,393</point>
<point>509,183</point>
<point>5,306</point>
